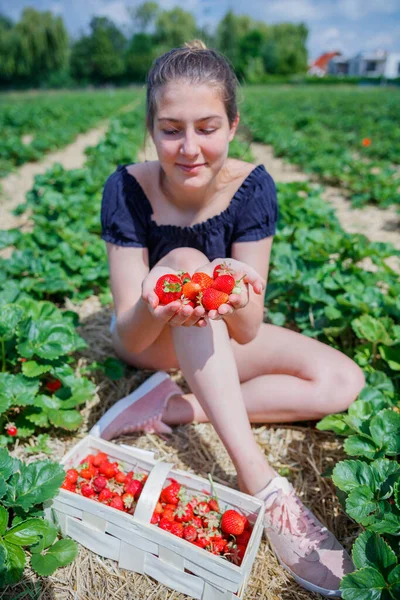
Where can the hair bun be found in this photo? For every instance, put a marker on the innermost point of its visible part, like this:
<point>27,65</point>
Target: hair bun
<point>195,45</point>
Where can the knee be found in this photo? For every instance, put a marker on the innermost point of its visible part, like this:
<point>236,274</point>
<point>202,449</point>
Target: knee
<point>340,388</point>
<point>186,259</point>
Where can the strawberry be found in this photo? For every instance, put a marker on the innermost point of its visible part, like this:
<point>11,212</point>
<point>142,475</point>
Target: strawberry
<point>201,543</point>
<point>105,495</point>
<point>169,514</point>
<point>222,269</point>
<point>189,533</point>
<point>53,385</point>
<point>158,509</point>
<point>212,299</point>
<point>68,485</point>
<point>191,290</point>
<point>168,288</point>
<point>11,430</point>
<point>184,276</point>
<point>177,529</point>
<point>120,477</point>
<point>127,499</point>
<point>99,483</point>
<point>204,280</point>
<point>87,490</point>
<point>170,493</point>
<point>224,283</point>
<point>244,537</point>
<point>134,487</point>
<point>72,475</point>
<point>246,522</point>
<point>184,514</point>
<point>155,518</point>
<point>213,504</point>
<point>197,522</point>
<point>236,553</point>
<point>202,509</point>
<point>88,459</point>
<point>232,522</point>
<point>87,472</point>
<point>107,469</point>
<point>218,546</point>
<point>99,458</point>
<point>117,502</point>
<point>165,524</point>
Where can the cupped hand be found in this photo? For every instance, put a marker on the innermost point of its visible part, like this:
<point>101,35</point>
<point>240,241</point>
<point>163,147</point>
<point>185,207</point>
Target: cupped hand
<point>245,275</point>
<point>175,313</point>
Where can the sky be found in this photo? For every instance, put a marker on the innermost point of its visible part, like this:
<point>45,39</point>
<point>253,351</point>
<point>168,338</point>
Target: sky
<point>349,26</point>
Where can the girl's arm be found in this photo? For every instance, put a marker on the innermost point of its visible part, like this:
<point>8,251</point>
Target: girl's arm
<point>243,324</point>
<point>135,326</point>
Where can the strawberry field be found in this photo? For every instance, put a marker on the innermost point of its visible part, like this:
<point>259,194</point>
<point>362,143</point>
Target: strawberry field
<point>59,374</point>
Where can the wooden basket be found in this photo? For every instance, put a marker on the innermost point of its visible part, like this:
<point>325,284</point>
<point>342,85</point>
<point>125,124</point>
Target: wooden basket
<point>144,548</point>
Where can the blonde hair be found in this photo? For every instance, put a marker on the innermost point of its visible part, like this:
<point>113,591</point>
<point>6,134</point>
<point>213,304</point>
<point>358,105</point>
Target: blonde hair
<point>197,64</point>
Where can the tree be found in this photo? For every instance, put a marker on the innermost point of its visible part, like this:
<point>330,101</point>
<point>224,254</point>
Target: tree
<point>228,36</point>
<point>139,56</point>
<point>144,15</point>
<point>285,52</point>
<point>174,28</point>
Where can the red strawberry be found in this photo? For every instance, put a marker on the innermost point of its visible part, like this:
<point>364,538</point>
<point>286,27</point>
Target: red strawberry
<point>155,519</point>
<point>204,280</point>
<point>191,290</point>
<point>68,485</point>
<point>236,553</point>
<point>53,385</point>
<point>117,502</point>
<point>190,533</point>
<point>120,477</point>
<point>212,299</point>
<point>213,504</point>
<point>134,487</point>
<point>168,288</point>
<point>218,546</point>
<point>99,483</point>
<point>107,469</point>
<point>72,475</point>
<point>165,524</point>
<point>232,522</point>
<point>11,430</point>
<point>158,509</point>
<point>222,269</point>
<point>244,537</point>
<point>246,522</point>
<point>88,459</point>
<point>170,493</point>
<point>224,283</point>
<point>87,472</point>
<point>127,499</point>
<point>184,276</point>
<point>99,458</point>
<point>202,509</point>
<point>177,529</point>
<point>105,495</point>
<point>197,522</point>
<point>87,490</point>
<point>184,514</point>
<point>201,543</point>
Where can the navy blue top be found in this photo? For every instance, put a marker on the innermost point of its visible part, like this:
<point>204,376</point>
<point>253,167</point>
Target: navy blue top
<point>126,218</point>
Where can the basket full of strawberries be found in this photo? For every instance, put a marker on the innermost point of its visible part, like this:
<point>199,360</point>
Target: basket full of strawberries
<point>194,536</point>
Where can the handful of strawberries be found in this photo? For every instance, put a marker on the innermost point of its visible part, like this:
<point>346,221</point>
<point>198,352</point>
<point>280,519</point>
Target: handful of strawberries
<point>199,289</point>
<point>197,519</point>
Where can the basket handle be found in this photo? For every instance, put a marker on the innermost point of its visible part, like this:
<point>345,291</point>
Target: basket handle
<point>151,491</point>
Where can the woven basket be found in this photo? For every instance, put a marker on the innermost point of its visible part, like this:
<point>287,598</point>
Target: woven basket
<point>142,547</point>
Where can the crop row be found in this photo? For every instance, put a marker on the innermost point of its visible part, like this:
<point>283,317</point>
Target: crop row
<point>348,138</point>
<point>51,121</point>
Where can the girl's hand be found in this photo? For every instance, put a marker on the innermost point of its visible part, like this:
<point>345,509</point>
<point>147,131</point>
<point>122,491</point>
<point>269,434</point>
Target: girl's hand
<point>248,276</point>
<point>176,313</point>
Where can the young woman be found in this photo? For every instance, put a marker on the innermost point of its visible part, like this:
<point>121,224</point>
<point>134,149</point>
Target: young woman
<point>190,210</point>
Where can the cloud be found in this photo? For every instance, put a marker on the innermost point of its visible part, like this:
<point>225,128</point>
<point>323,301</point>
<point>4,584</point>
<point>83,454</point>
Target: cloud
<point>358,9</point>
<point>116,11</point>
<point>297,10</point>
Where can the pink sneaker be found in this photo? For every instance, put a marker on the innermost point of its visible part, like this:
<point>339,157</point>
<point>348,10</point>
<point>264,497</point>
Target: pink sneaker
<point>303,545</point>
<point>141,410</point>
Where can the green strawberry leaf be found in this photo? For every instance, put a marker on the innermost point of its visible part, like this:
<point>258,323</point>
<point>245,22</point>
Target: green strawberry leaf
<point>8,464</point>
<point>349,475</point>
<point>394,582</point>
<point>396,494</point>
<point>66,419</point>
<point>10,316</point>
<point>391,356</point>
<point>15,563</point>
<point>385,431</point>
<point>60,554</point>
<point>365,584</point>
<point>370,550</point>
<point>26,533</point>
<point>334,423</point>
<point>357,445</point>
<point>31,368</point>
<point>34,484</point>
<point>361,503</point>
<point>4,515</point>
<point>47,540</point>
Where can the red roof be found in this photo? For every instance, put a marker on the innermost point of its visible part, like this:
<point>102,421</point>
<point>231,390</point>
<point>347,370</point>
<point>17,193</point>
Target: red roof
<point>322,61</point>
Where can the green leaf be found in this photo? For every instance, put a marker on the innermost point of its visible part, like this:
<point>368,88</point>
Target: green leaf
<point>35,483</point>
<point>8,465</point>
<point>31,368</point>
<point>370,550</point>
<point>47,402</point>
<point>396,494</point>
<point>391,356</point>
<point>348,475</point>
<point>385,430</point>
<point>357,445</point>
<point>46,339</point>
<point>114,368</point>
<point>10,316</point>
<point>62,553</point>
<point>394,582</point>
<point>66,419</point>
<point>47,540</point>
<point>15,563</point>
<point>361,503</point>
<point>4,516</point>
<point>371,329</point>
<point>334,423</point>
<point>3,486</point>
<point>26,533</point>
<point>18,389</point>
<point>365,584</point>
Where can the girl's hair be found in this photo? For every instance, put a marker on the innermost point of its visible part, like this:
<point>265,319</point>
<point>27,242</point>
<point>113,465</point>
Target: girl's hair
<point>197,64</point>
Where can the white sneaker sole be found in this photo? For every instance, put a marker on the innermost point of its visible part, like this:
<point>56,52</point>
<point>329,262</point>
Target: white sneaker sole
<point>123,404</point>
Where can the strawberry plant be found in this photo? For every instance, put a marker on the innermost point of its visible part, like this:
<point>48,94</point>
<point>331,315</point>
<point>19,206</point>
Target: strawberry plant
<point>38,385</point>
<point>24,534</point>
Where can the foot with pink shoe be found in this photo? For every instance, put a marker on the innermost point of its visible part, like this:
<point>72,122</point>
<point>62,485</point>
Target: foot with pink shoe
<point>302,544</point>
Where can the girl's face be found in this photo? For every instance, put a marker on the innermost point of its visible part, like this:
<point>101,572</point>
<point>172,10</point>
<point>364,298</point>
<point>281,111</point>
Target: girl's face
<point>191,133</point>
